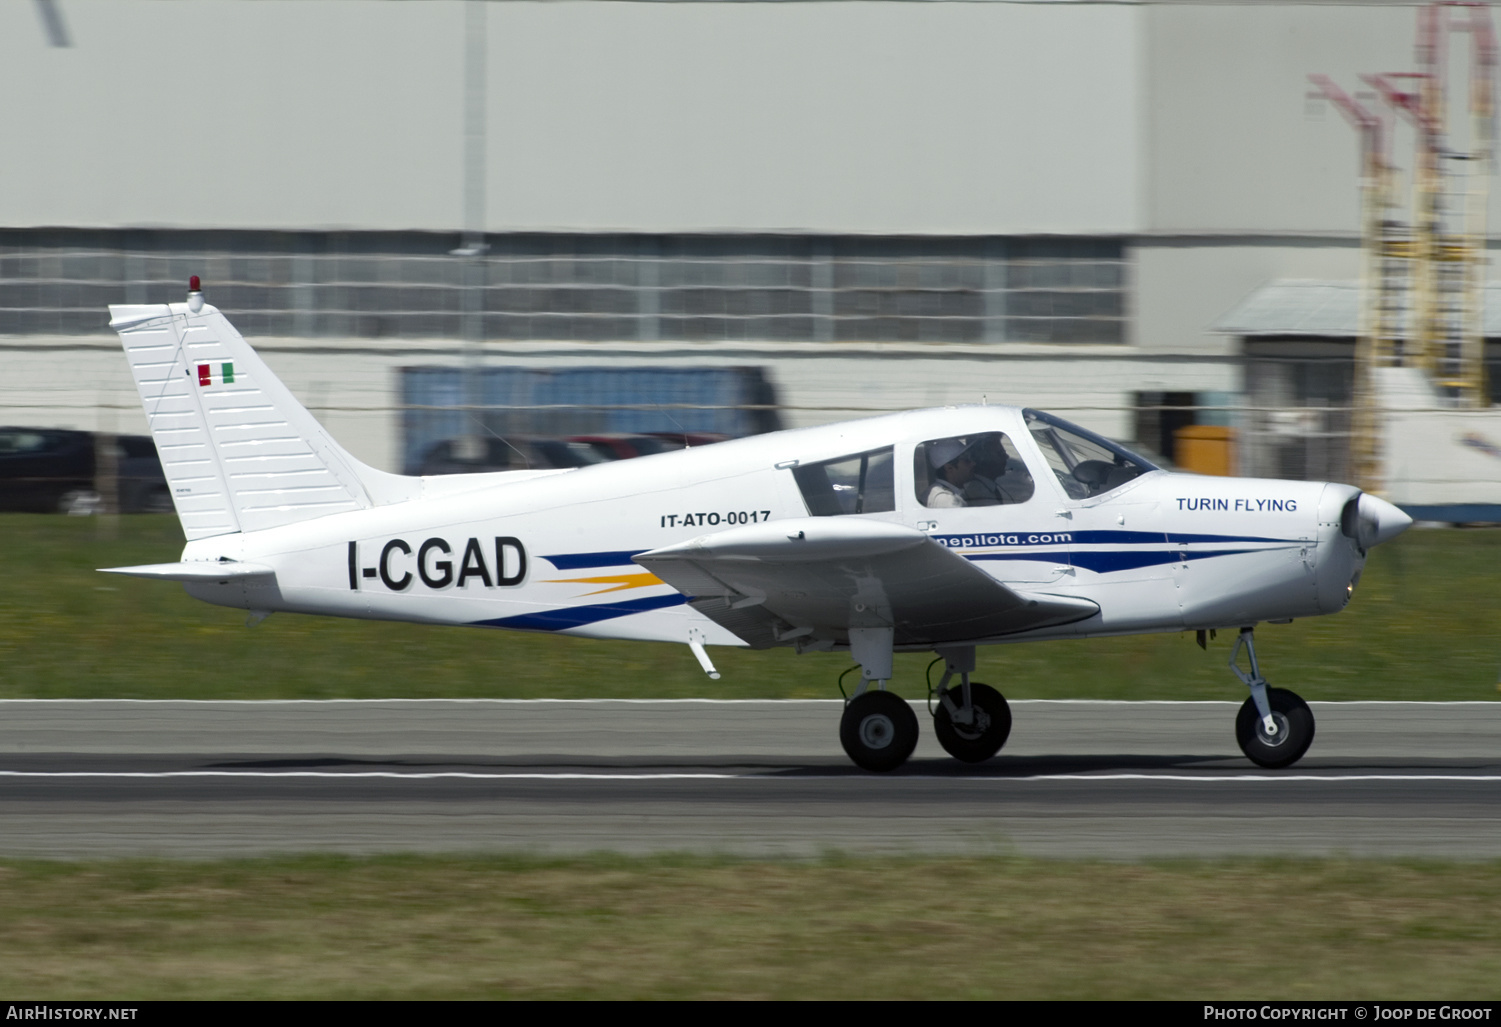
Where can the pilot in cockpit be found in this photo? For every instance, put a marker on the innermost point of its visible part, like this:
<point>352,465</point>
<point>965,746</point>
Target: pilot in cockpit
<point>953,468</point>
<point>974,470</point>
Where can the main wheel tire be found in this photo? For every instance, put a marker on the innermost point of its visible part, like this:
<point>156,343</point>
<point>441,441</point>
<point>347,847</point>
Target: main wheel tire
<point>977,742</point>
<point>878,731</point>
<point>1294,730</point>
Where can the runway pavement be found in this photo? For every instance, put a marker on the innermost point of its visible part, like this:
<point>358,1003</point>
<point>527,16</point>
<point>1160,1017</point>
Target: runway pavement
<point>1097,779</point>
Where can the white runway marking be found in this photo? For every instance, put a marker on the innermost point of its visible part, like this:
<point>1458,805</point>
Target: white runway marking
<point>440,775</point>
<point>1373,703</point>
<point>383,774</point>
<point>1219,778</point>
<point>442,702</point>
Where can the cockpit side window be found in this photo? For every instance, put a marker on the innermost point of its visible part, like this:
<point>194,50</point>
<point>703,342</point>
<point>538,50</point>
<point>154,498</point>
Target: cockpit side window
<point>862,483</point>
<point>970,470</point>
<point>1086,464</point>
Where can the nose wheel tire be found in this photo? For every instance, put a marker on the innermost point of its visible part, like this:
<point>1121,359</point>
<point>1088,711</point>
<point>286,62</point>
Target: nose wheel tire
<point>1294,735</point>
<point>981,739</point>
<point>878,731</point>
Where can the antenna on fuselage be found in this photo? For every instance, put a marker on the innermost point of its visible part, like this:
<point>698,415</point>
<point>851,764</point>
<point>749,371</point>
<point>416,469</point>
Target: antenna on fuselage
<point>480,421</point>
<point>683,431</point>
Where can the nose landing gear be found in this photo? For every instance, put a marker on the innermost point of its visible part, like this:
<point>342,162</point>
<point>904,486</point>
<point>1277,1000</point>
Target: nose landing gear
<point>1274,726</point>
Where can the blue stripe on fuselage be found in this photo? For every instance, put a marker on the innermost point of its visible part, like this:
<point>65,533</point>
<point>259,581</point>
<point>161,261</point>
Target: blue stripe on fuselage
<point>577,616</point>
<point>1180,538</point>
<point>1052,537</point>
<point>581,561</point>
<point>1104,561</point>
<point>1175,537</point>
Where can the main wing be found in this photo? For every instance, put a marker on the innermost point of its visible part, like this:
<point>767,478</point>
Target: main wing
<point>815,578</point>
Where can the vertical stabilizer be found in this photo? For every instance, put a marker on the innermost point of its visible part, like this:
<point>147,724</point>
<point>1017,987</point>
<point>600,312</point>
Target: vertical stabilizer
<point>239,451</point>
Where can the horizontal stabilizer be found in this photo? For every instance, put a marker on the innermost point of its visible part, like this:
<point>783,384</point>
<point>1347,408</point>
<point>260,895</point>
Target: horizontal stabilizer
<point>202,570</point>
<point>818,577</point>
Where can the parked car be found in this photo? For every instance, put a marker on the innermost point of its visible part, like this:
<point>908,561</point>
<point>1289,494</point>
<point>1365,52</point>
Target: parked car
<point>513,453</point>
<point>625,446</point>
<point>46,470</point>
<point>684,439</point>
<point>520,452</point>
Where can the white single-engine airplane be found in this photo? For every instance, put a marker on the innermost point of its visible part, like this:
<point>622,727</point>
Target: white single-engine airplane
<point>931,530</point>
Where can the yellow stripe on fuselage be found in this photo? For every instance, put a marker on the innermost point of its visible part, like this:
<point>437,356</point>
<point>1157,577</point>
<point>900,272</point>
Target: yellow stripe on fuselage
<point>617,581</point>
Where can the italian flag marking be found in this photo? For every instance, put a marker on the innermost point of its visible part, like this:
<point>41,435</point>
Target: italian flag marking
<point>206,373</point>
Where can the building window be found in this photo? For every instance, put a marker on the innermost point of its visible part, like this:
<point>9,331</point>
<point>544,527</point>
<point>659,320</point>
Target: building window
<point>692,288</point>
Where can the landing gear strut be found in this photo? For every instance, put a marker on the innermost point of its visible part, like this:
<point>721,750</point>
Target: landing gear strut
<point>972,720</point>
<point>1274,726</point>
<point>878,729</point>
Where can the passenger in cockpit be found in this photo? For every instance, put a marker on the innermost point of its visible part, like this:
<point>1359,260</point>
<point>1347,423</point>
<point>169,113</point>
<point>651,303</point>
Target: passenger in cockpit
<point>999,477</point>
<point>953,468</point>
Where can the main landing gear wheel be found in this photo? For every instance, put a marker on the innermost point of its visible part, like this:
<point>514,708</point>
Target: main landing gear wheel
<point>878,731</point>
<point>1294,722</point>
<point>981,739</point>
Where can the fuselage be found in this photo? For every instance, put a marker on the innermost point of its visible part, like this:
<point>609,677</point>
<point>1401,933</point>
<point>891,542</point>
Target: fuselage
<point>1161,551</point>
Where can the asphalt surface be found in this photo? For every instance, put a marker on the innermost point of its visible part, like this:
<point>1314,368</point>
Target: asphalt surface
<point>1090,779</point>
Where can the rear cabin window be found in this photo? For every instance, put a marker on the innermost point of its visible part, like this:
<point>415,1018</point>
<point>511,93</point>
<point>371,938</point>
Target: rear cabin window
<point>858,484</point>
<point>970,470</point>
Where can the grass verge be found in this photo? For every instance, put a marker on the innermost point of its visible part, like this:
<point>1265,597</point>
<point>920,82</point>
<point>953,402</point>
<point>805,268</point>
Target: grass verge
<point>1425,624</point>
<point>614,927</point>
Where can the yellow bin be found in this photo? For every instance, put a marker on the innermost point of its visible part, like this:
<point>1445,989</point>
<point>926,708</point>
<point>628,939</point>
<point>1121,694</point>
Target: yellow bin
<point>1205,449</point>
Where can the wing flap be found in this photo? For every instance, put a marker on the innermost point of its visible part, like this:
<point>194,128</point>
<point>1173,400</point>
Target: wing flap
<point>757,626</point>
<point>822,576</point>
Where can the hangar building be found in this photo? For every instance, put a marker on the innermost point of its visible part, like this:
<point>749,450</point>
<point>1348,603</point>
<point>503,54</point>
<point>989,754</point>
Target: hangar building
<point>820,208</point>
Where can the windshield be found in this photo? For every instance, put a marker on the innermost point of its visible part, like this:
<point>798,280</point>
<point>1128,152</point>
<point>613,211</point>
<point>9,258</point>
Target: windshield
<point>1086,464</point>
